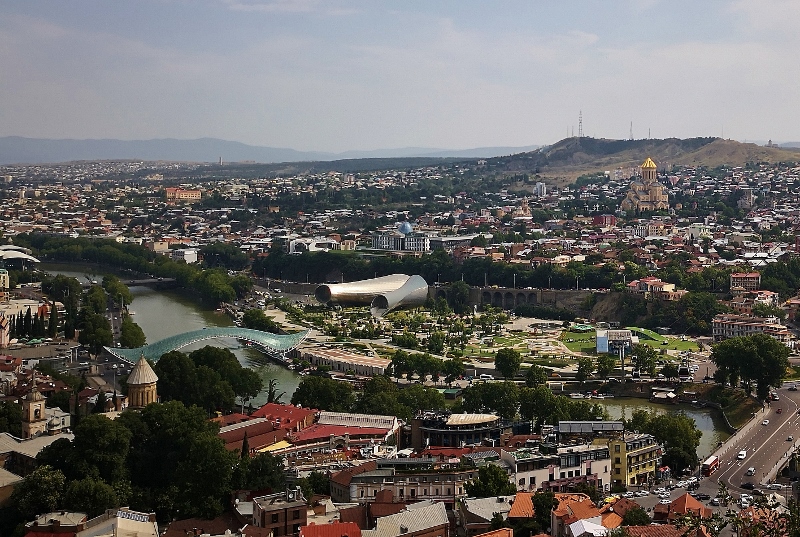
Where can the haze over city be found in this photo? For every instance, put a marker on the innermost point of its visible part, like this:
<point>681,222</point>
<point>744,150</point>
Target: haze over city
<point>340,75</point>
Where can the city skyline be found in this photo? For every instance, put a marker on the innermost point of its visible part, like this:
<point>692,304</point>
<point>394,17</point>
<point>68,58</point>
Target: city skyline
<point>339,76</point>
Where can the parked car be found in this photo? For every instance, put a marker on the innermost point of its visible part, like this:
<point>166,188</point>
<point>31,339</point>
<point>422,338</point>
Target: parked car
<point>748,486</point>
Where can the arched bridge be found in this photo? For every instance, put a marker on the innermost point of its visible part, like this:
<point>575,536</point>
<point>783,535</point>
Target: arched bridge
<point>271,343</point>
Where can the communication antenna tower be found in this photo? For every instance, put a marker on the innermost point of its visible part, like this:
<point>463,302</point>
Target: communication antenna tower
<point>580,124</point>
<point>631,135</point>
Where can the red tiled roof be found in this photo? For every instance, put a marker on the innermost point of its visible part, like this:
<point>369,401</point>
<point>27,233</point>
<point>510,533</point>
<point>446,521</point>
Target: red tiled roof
<point>274,412</point>
<point>337,529</point>
<point>345,476</point>
<point>523,506</point>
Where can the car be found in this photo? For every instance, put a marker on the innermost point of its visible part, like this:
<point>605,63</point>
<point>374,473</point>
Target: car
<point>790,438</point>
<point>779,411</point>
<point>664,496</point>
<point>665,501</point>
<point>742,454</point>
<point>702,496</point>
<point>660,490</point>
<point>775,486</point>
<point>748,485</point>
<point>629,494</point>
<point>765,422</point>
<point>642,493</point>
<point>715,501</point>
<point>793,388</point>
<point>744,504</point>
<point>750,471</point>
<point>692,480</point>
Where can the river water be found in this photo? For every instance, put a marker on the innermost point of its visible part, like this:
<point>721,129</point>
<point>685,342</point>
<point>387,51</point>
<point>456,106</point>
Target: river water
<point>708,420</point>
<point>161,314</point>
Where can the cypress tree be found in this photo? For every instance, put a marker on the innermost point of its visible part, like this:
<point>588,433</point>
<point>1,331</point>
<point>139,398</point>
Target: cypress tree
<point>52,322</point>
<point>28,326</point>
<point>245,447</point>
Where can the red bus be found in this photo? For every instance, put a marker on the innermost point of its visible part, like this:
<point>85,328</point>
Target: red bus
<point>710,465</point>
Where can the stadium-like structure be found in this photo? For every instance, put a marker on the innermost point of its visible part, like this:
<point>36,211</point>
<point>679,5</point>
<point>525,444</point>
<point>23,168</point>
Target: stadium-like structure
<point>381,294</point>
<point>274,344</point>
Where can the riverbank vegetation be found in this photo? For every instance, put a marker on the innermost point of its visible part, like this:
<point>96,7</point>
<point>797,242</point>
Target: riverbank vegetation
<point>213,285</point>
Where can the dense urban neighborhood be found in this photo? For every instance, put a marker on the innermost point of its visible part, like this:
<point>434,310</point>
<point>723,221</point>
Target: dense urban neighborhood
<point>458,332</point>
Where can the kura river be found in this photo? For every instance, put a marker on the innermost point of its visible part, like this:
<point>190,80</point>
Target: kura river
<point>708,420</point>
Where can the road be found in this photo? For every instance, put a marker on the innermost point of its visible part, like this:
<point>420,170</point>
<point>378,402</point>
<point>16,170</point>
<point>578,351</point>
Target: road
<point>766,445</point>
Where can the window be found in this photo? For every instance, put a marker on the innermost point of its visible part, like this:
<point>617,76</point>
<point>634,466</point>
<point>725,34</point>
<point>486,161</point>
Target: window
<point>617,471</point>
<point>402,493</point>
<point>522,482</point>
<point>413,493</point>
<point>296,514</point>
<point>448,490</point>
<point>563,475</point>
<point>274,518</point>
<point>616,448</point>
<point>616,460</point>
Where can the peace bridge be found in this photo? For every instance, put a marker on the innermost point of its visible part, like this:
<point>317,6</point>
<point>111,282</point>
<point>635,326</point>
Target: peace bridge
<point>275,344</point>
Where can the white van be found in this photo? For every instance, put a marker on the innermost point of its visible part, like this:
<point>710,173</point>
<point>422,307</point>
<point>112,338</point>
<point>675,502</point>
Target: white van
<point>486,377</point>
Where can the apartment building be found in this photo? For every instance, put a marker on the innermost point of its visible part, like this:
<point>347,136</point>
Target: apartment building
<point>634,459</point>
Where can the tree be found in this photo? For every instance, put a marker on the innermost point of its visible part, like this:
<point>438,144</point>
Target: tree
<point>95,331</point>
<point>265,472</point>
<point>40,492</point>
<point>491,481</point>
<point>507,361</point>
<point>499,397</point>
<point>256,319</point>
<point>585,368</point>
<point>204,477</point>
<point>323,393</point>
<point>670,371</point>
<point>131,335</point>
<point>636,516</point>
<point>52,322</point>
<point>605,365</point>
<point>458,297</point>
<point>453,369</point>
<point>272,392</point>
<point>90,496</point>
<point>436,342</point>
<point>100,448</point>
<point>543,505</point>
<point>11,418</point>
<point>644,358</point>
<point>315,483</point>
<point>497,522</point>
<point>535,376</point>
<point>758,358</point>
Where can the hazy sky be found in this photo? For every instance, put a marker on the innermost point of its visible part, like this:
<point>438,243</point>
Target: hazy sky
<point>334,75</point>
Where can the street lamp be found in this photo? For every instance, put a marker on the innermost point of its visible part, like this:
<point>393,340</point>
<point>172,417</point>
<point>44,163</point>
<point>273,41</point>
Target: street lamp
<point>114,367</point>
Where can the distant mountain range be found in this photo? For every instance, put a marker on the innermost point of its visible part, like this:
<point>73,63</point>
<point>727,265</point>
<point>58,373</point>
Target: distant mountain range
<point>18,150</point>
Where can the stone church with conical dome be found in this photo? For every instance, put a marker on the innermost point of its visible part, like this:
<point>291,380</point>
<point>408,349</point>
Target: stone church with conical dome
<point>646,193</point>
<point>142,385</point>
